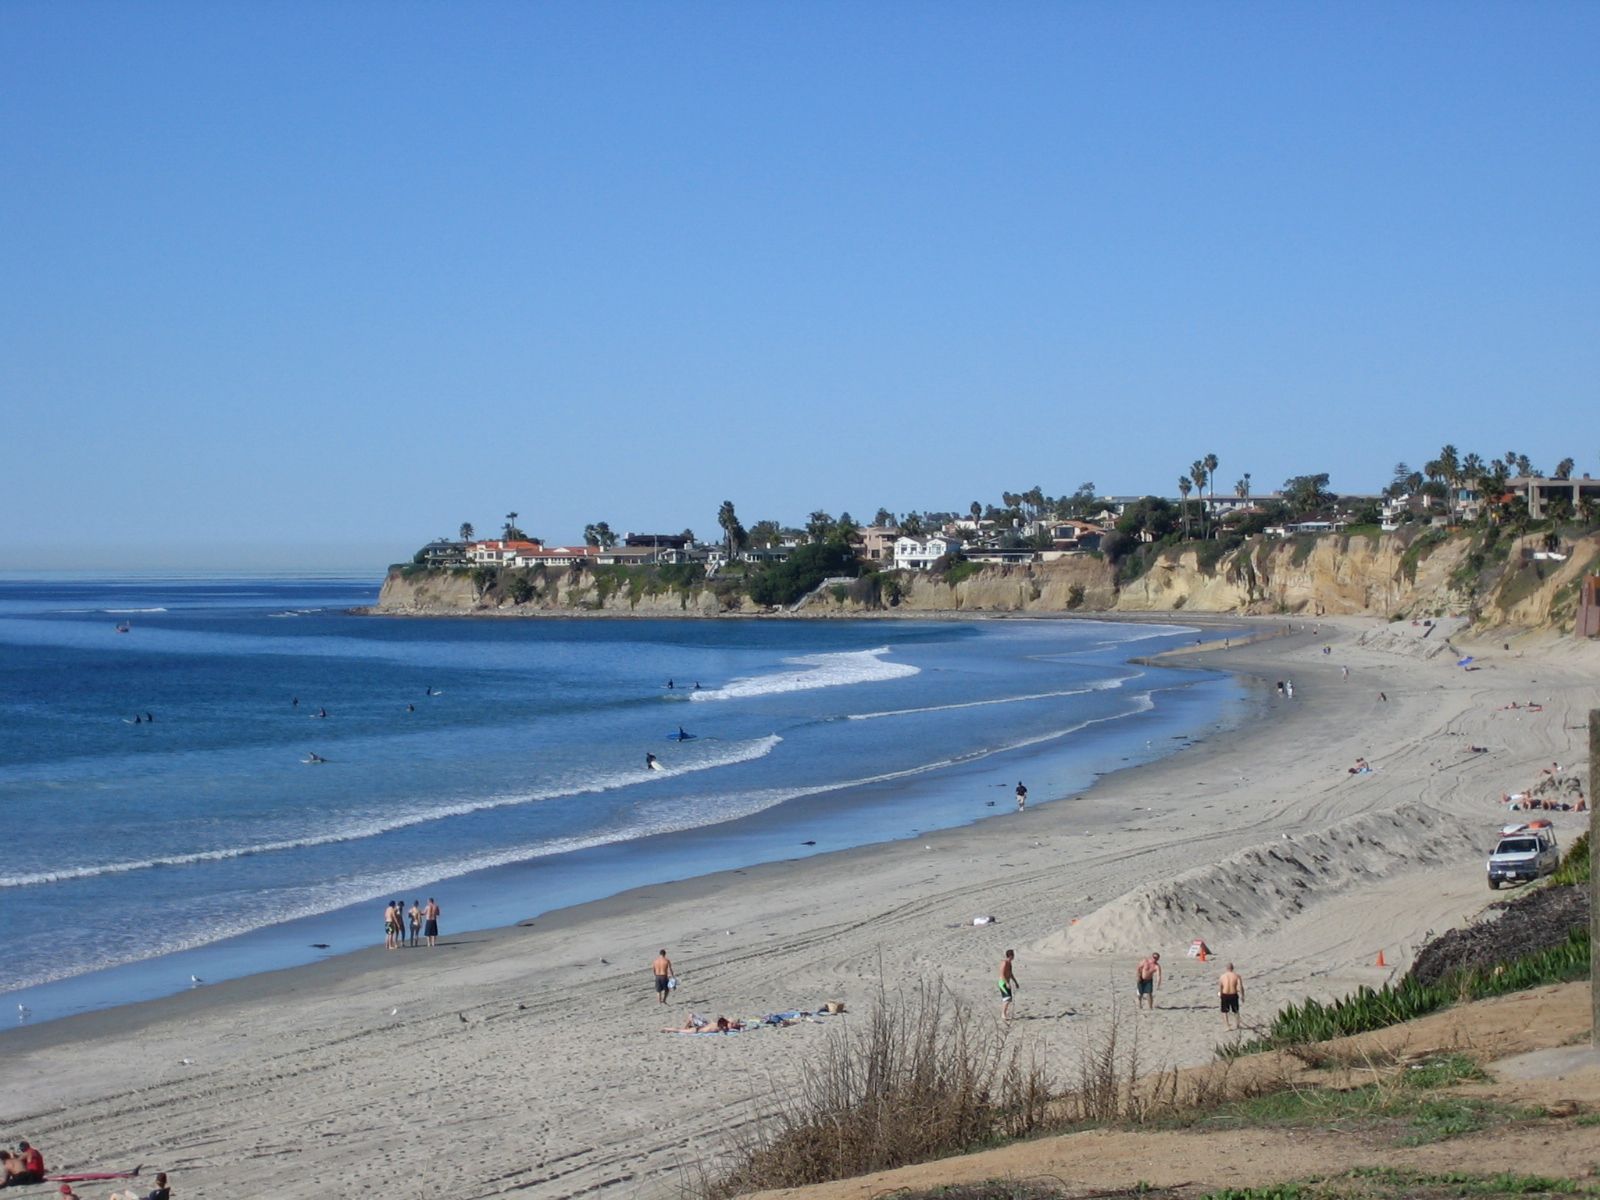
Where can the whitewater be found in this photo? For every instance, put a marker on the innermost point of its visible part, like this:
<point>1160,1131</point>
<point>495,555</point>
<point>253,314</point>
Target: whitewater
<point>498,766</point>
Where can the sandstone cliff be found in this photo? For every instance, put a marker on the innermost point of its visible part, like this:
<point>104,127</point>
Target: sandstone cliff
<point>1494,582</point>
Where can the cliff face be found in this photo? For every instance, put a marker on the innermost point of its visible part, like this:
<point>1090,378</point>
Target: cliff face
<point>416,592</point>
<point>1393,575</point>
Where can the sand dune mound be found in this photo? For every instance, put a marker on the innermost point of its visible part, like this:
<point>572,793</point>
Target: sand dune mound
<point>1258,889</point>
<point>1420,639</point>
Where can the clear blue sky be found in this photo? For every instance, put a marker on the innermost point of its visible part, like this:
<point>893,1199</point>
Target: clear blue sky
<point>286,279</point>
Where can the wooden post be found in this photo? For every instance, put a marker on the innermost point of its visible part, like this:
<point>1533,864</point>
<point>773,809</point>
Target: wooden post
<point>1594,880</point>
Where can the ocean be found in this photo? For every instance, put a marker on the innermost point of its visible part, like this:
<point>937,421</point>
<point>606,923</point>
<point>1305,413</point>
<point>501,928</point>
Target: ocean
<point>162,820</point>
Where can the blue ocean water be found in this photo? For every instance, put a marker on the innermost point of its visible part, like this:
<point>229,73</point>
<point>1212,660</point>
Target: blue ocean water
<point>497,764</point>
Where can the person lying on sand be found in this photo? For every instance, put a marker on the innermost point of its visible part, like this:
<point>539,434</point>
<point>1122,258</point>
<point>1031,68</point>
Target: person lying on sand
<point>696,1024</point>
<point>1361,768</point>
<point>160,1192</point>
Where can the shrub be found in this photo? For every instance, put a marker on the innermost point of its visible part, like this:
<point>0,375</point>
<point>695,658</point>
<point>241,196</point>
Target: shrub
<point>1391,1004</point>
<point>1075,595</point>
<point>922,1079</point>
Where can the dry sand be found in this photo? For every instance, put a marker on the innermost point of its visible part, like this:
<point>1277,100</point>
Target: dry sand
<point>528,1061</point>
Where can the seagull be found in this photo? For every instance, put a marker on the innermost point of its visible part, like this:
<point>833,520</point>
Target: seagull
<point>23,1012</point>
<point>521,1007</point>
<point>605,962</point>
<point>195,979</point>
<point>463,1017</point>
<point>188,1062</point>
<point>394,1012</point>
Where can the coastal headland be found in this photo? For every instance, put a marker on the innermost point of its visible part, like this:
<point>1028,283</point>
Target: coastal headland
<point>529,1060</point>
<point>1411,573</point>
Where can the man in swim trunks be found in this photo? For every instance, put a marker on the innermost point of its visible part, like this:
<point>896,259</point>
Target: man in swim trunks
<point>663,972</point>
<point>1022,796</point>
<point>28,1166</point>
<point>1230,988</point>
<point>1148,976</point>
<point>391,926</point>
<point>430,923</point>
<point>1008,984</point>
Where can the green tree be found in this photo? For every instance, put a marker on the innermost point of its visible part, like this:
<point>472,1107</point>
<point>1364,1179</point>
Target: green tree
<point>844,529</point>
<point>688,537</point>
<point>1241,488</point>
<point>599,534</point>
<point>1307,494</point>
<point>1564,468</point>
<point>1185,486</point>
<point>819,525</point>
<point>766,533</point>
<point>1450,465</point>
<point>1198,473</point>
<point>1211,473</point>
<point>468,533</point>
<point>786,582</point>
<point>729,521</point>
<point>511,531</point>
<point>911,525</point>
<point>976,510</point>
<point>883,517</point>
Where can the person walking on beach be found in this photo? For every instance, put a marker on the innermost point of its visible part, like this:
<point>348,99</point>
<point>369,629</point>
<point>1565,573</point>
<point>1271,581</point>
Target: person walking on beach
<point>416,921</point>
<point>662,968</point>
<point>1148,976</point>
<point>1288,688</point>
<point>1008,983</point>
<point>1022,796</point>
<point>1230,990</point>
<point>430,922</point>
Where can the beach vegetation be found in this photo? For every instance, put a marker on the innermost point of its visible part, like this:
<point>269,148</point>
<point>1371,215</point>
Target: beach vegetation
<point>1075,595</point>
<point>785,582</point>
<point>1307,495</point>
<point>1304,544</point>
<point>921,1077</point>
<point>1378,1008</point>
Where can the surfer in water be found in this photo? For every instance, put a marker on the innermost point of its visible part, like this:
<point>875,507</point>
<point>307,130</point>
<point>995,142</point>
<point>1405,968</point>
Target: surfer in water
<point>670,685</point>
<point>315,758</point>
<point>322,712</point>
<point>650,763</point>
<point>681,736</point>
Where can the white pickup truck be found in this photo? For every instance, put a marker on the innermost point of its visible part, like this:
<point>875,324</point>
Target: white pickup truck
<point>1524,853</point>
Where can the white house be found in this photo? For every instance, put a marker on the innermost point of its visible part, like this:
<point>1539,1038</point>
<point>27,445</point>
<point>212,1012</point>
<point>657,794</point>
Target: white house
<point>918,554</point>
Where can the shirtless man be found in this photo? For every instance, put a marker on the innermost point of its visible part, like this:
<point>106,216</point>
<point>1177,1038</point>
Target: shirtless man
<point>1148,976</point>
<point>663,972</point>
<point>391,927</point>
<point>430,923</point>
<point>1230,990</point>
<point>1008,983</point>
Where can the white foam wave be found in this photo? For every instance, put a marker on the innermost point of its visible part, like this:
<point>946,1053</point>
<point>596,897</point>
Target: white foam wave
<point>1100,686</point>
<point>818,671</point>
<point>690,813</point>
<point>708,760</point>
<point>132,610</point>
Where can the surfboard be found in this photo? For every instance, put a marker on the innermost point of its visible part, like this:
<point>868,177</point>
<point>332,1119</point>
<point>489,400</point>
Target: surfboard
<point>91,1176</point>
<point>681,737</point>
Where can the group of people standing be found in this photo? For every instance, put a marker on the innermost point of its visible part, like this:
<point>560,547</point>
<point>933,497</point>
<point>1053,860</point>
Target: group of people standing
<point>1147,977</point>
<point>423,918</point>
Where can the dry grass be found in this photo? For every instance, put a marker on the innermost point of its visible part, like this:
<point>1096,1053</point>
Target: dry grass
<point>919,1079</point>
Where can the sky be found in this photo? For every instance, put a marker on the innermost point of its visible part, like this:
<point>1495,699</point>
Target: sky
<point>310,284</point>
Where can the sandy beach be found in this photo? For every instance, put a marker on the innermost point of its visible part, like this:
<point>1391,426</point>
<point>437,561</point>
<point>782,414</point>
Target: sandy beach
<point>527,1061</point>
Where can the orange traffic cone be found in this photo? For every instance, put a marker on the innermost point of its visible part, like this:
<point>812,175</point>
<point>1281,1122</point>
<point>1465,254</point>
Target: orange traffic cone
<point>1380,962</point>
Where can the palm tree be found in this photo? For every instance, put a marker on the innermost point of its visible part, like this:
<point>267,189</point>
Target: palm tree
<point>1564,468</point>
<point>976,510</point>
<point>1241,489</point>
<point>1450,465</point>
<point>729,520</point>
<point>468,533</point>
<point>1211,473</point>
<point>512,533</point>
<point>1198,473</point>
<point>1185,485</point>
